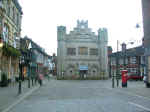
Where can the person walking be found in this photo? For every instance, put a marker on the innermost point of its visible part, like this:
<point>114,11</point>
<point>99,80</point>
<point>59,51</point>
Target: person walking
<point>13,79</point>
<point>40,79</point>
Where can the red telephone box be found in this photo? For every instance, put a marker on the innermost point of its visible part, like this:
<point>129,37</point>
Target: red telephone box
<point>124,78</point>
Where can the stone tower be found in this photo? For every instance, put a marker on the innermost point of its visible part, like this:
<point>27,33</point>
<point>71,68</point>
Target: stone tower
<point>61,33</point>
<point>103,41</point>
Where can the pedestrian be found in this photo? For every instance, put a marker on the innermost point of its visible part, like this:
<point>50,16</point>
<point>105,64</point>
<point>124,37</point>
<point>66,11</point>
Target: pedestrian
<point>48,77</point>
<point>36,79</point>
<point>40,79</point>
<point>144,79</point>
<point>13,79</point>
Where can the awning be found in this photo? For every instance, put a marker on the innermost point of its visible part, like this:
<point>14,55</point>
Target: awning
<point>83,67</point>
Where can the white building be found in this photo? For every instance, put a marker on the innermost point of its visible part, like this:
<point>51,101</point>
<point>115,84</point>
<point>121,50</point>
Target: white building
<point>82,52</point>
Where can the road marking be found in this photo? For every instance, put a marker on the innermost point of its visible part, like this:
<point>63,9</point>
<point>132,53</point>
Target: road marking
<point>132,94</point>
<point>139,106</point>
<point>128,93</point>
<point>119,91</point>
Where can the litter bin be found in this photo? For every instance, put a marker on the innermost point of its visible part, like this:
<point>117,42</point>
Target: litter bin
<point>124,74</point>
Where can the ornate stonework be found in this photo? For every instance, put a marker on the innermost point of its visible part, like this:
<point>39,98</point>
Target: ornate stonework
<point>82,52</point>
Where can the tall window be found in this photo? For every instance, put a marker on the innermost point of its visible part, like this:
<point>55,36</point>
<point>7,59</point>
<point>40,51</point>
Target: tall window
<point>71,51</point>
<point>133,60</point>
<point>8,10</point>
<point>17,19</point>
<point>13,13</point>
<point>83,51</point>
<point>6,33</point>
<point>93,51</point>
<point>0,21</point>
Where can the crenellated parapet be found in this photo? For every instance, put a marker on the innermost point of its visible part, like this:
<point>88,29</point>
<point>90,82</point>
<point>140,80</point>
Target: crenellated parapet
<point>103,35</point>
<point>61,32</point>
<point>82,52</point>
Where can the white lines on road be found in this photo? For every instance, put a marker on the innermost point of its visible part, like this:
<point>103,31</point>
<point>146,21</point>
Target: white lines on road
<point>133,94</point>
<point>139,106</point>
<point>129,93</point>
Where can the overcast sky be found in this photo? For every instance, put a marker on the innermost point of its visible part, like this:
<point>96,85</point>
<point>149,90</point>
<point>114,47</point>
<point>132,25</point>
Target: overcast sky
<point>41,18</point>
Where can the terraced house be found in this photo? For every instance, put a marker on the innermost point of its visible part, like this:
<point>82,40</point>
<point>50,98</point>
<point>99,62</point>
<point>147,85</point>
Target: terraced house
<point>10,28</point>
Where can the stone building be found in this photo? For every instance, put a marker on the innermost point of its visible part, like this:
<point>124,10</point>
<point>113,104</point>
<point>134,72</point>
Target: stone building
<point>82,52</point>
<point>132,59</point>
<point>10,31</point>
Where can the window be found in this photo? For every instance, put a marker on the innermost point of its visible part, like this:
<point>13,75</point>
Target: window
<point>6,33</point>
<point>17,19</point>
<point>71,51</point>
<point>13,13</point>
<point>133,60</point>
<point>93,51</point>
<point>8,10</point>
<point>121,61</point>
<point>0,21</point>
<point>83,51</point>
<point>113,61</point>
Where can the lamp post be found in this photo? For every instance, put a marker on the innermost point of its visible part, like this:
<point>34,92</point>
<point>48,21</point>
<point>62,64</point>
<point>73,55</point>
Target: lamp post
<point>124,58</point>
<point>117,63</point>
<point>21,62</point>
<point>1,46</point>
<point>29,56</point>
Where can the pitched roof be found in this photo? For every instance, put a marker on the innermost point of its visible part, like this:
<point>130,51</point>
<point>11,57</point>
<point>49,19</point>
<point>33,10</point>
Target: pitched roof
<point>136,51</point>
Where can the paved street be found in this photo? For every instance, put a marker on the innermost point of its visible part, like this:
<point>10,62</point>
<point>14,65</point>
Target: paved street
<point>86,96</point>
<point>9,94</point>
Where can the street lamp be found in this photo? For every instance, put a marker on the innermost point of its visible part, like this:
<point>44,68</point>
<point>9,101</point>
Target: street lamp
<point>117,57</point>
<point>29,48</point>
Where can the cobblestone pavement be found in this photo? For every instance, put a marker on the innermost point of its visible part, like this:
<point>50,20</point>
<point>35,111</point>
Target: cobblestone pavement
<point>86,96</point>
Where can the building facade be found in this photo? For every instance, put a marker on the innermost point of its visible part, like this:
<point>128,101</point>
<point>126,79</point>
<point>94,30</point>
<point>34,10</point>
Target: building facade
<point>146,27</point>
<point>39,59</point>
<point>10,29</point>
<point>132,60</point>
<point>81,52</point>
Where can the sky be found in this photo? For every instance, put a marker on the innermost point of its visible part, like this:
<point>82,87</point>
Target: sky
<point>41,18</point>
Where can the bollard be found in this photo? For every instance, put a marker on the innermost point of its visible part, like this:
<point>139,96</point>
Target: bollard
<point>28,82</point>
<point>19,89</point>
<point>113,81</point>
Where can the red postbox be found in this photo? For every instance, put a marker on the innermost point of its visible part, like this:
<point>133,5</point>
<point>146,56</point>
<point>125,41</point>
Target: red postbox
<point>124,78</point>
